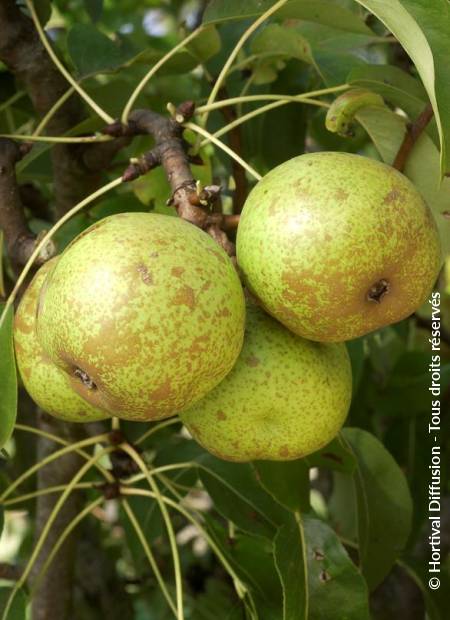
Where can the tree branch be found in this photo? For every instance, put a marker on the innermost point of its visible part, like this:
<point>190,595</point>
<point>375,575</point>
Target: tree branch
<point>191,202</point>
<point>20,242</point>
<point>413,131</point>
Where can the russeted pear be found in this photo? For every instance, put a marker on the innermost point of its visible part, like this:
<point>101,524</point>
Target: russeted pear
<point>144,313</point>
<point>336,245</point>
<point>47,384</point>
<point>286,397</point>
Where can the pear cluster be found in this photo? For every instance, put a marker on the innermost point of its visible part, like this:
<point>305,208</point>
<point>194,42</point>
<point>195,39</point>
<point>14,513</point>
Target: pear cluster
<point>143,316</point>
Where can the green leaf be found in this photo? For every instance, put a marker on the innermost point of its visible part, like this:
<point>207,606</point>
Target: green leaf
<point>94,9</point>
<point>319,11</point>
<point>422,27</point>
<point>286,481</point>
<point>387,130</point>
<point>384,505</point>
<point>43,10</point>
<point>17,610</point>
<point>8,378</point>
<point>276,40</point>
<point>318,577</point>
<point>93,52</point>
<point>235,506</point>
<point>337,590</point>
<point>291,562</point>
<point>205,45</point>
<point>394,85</point>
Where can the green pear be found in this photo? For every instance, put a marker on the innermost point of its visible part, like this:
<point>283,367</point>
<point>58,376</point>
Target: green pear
<point>145,314</point>
<point>335,245</point>
<point>286,397</point>
<point>47,385</point>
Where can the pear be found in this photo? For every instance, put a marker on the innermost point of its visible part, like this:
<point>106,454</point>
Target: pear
<point>285,398</point>
<point>335,245</point>
<point>47,385</point>
<point>144,313</point>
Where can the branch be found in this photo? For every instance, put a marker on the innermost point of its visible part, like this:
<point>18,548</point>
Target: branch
<point>170,150</point>
<point>413,131</point>
<point>20,242</point>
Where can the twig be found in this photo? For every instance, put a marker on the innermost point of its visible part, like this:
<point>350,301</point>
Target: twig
<point>413,131</point>
<point>170,151</point>
<point>20,242</point>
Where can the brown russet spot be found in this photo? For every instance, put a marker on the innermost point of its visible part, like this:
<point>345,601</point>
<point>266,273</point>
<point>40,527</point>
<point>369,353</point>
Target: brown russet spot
<point>198,345</point>
<point>391,196</point>
<point>252,361</point>
<point>223,312</point>
<point>221,415</point>
<point>185,296</point>
<point>177,271</point>
<point>146,276</point>
<point>163,392</point>
<point>324,576</point>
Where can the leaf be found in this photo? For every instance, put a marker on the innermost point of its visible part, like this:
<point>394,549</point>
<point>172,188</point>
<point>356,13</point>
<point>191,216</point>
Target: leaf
<point>393,84</point>
<point>320,11</point>
<point>318,577</point>
<point>43,10</point>
<point>387,130</point>
<point>276,40</point>
<point>17,610</point>
<point>384,505</point>
<point>335,456</point>
<point>287,482</point>
<point>235,506</point>
<point>8,378</point>
<point>205,45</point>
<point>291,562</point>
<point>93,52</point>
<point>94,9</point>
<point>422,27</point>
<point>337,589</point>
<point>255,557</point>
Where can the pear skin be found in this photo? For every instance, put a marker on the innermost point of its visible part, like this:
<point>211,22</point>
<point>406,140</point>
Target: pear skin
<point>335,245</point>
<point>285,398</point>
<point>145,313</point>
<point>47,384</point>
